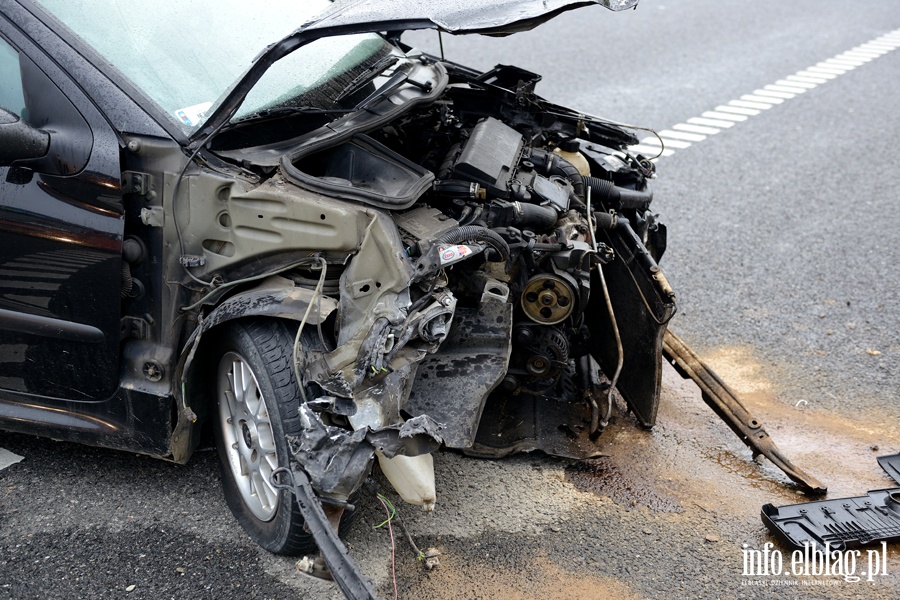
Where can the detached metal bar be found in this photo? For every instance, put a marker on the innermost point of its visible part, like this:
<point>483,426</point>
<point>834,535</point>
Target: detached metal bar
<point>725,403</point>
<point>343,570</point>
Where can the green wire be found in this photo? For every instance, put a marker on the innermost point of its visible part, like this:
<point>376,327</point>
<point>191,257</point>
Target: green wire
<point>393,512</point>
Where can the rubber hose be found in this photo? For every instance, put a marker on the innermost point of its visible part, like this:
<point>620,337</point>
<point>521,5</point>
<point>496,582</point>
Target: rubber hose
<point>621,197</point>
<point>473,233</point>
<point>605,220</point>
<point>540,218</point>
<point>554,164</point>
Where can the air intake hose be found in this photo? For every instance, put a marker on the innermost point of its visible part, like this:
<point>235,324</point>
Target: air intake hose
<point>549,163</point>
<point>539,218</point>
<point>620,197</point>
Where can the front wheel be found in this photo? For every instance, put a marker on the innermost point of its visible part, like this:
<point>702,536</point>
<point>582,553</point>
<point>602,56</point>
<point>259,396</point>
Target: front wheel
<point>258,401</point>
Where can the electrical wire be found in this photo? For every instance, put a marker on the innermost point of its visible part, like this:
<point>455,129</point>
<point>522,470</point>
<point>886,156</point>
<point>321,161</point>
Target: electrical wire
<point>297,346</point>
<point>392,511</point>
<point>229,284</point>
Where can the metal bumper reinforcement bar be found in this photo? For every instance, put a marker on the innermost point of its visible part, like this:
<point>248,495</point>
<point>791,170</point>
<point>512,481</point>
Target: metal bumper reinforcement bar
<point>725,403</point>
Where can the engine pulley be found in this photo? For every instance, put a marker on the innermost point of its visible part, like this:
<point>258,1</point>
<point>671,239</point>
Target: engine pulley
<point>548,299</point>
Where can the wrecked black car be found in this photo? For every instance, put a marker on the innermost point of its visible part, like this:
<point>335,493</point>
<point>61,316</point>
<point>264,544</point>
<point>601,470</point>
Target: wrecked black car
<point>326,252</point>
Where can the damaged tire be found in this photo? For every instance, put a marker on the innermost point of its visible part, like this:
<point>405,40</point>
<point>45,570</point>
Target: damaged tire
<point>257,401</point>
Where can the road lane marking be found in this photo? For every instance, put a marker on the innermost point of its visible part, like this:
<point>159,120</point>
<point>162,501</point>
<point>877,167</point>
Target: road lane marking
<point>696,129</point>
<point>710,122</point>
<point>738,110</point>
<point>8,459</point>
<point>765,100</point>
<point>727,116</point>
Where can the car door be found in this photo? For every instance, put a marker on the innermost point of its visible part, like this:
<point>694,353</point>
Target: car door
<point>61,231</point>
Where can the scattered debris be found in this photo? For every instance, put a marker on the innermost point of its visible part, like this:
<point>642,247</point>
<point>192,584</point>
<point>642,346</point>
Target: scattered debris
<point>431,558</point>
<point>840,523</point>
<point>130,588</point>
<point>871,352</point>
<point>712,538</point>
<point>890,464</point>
<point>8,459</point>
<point>305,565</point>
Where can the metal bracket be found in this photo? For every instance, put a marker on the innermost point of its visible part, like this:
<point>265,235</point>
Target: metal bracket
<point>725,403</point>
<point>134,182</point>
<point>134,327</point>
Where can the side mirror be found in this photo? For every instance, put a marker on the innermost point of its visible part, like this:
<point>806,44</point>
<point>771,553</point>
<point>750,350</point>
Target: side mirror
<point>19,140</point>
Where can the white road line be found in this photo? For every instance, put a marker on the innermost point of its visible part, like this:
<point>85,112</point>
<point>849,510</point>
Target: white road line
<point>697,129</point>
<point>745,104</point>
<point>763,99</point>
<point>711,122</point>
<point>770,93</point>
<point>802,79</point>
<point>862,54</point>
<point>652,141</point>
<point>651,150</point>
<point>718,115</point>
<point>820,75</point>
<point>675,135</point>
<point>8,459</point>
<point>840,62</point>
<point>805,85</point>
<point>785,88</point>
<point>824,71</point>
<point>749,112</point>
<point>886,46</point>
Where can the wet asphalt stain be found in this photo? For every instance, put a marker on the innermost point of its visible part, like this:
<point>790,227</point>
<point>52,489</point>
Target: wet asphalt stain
<point>158,562</point>
<point>625,487</point>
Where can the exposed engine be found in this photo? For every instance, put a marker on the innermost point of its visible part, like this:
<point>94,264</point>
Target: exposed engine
<point>527,201</point>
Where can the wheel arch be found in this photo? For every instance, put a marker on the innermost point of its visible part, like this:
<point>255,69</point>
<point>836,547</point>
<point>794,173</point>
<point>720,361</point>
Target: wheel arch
<point>286,303</point>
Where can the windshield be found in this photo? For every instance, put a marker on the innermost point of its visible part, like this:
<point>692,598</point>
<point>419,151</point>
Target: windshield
<point>186,54</point>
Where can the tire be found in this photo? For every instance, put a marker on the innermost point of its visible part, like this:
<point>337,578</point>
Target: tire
<point>253,415</point>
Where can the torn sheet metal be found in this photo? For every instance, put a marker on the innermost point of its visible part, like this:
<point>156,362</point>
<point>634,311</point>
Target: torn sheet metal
<point>337,460</point>
<point>725,403</point>
<point>841,523</point>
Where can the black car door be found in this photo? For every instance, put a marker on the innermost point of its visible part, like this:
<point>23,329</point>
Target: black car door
<point>61,230</point>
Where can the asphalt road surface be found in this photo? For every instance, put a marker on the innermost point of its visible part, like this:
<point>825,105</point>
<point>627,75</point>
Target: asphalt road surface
<point>783,246</point>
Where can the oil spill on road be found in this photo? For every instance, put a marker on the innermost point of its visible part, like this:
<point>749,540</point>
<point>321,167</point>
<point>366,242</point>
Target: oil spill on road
<point>627,487</point>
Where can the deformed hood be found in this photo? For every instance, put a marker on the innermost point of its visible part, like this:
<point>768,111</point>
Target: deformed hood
<point>345,17</point>
<point>497,17</point>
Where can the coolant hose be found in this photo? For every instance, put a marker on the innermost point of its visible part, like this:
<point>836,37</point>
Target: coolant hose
<point>621,197</point>
<point>472,233</point>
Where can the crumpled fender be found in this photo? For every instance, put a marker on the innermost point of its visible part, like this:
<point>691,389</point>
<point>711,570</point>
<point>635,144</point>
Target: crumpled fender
<point>280,301</point>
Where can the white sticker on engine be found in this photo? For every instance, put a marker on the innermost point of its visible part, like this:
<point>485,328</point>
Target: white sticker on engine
<point>451,254</point>
<point>192,115</point>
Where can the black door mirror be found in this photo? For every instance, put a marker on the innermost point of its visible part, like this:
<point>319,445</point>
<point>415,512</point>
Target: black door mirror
<point>19,140</point>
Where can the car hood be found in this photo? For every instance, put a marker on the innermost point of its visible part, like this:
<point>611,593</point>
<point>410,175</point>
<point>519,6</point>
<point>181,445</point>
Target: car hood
<point>499,17</point>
